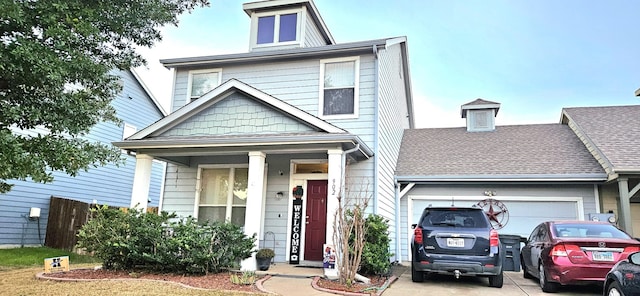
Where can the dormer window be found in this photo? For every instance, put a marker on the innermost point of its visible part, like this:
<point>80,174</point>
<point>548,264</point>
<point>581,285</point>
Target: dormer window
<point>276,28</point>
<point>480,115</point>
<point>202,81</point>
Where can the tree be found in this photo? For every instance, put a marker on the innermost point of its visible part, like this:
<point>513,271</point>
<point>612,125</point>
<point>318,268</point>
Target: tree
<point>55,83</point>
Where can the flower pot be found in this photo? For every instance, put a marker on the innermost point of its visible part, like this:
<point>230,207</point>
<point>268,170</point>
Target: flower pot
<point>263,263</point>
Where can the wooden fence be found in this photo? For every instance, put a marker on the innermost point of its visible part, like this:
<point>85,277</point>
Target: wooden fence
<point>66,217</point>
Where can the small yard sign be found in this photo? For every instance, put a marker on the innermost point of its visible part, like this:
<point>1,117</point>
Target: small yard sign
<point>56,264</point>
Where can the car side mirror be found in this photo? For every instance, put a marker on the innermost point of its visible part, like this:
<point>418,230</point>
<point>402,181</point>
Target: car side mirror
<point>635,258</point>
<point>413,226</point>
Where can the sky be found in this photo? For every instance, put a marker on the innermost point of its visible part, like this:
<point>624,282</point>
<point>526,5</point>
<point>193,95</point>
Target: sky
<point>532,57</point>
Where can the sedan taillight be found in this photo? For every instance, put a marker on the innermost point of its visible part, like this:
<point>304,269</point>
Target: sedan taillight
<point>559,251</point>
<point>417,235</point>
<point>631,249</point>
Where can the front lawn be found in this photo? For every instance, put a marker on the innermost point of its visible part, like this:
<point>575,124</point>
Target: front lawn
<point>30,257</point>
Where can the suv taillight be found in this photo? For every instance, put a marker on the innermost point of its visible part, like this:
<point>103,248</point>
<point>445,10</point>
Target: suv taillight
<point>494,241</point>
<point>417,235</point>
<point>493,238</point>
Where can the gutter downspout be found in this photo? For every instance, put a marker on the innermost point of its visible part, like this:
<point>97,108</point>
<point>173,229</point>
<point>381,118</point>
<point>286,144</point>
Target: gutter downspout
<point>397,221</point>
<point>376,123</point>
<point>344,164</point>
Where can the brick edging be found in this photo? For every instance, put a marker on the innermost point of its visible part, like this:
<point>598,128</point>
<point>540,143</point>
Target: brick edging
<point>386,285</point>
<point>260,286</point>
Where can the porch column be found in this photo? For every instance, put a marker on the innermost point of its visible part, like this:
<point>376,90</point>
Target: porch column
<point>253,212</point>
<point>625,206</point>
<point>141,181</point>
<point>334,190</point>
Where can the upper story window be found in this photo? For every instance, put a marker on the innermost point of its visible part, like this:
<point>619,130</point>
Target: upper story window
<point>281,28</point>
<point>339,79</point>
<point>202,81</point>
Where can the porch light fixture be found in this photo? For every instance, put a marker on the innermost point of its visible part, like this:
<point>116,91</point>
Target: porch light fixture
<point>279,195</point>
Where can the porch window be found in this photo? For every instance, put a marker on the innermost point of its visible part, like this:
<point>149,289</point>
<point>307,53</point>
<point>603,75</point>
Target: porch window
<point>223,195</point>
<point>202,81</point>
<point>339,87</point>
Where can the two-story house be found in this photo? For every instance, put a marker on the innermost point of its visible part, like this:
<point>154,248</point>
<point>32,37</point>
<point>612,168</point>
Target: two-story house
<point>108,185</point>
<point>269,139</point>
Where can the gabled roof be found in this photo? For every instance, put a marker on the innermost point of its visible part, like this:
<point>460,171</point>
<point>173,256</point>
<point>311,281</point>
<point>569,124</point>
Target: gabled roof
<point>542,152</point>
<point>479,104</point>
<point>222,91</point>
<point>148,92</point>
<point>611,133</point>
<point>249,8</point>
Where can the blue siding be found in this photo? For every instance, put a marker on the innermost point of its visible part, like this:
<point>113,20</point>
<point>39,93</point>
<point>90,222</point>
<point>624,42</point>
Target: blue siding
<point>107,185</point>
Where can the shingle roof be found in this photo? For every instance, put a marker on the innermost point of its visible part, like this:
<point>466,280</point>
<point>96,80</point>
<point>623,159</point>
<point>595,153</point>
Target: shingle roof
<point>547,151</point>
<point>614,131</point>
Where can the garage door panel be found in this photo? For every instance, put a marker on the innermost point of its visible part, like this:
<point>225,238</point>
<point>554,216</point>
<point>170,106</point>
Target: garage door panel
<point>523,215</point>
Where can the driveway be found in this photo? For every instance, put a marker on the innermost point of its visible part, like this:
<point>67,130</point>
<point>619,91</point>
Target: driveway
<point>514,285</point>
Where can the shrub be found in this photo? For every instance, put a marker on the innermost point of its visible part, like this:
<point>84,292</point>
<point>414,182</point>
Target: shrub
<point>135,240</point>
<point>265,253</point>
<point>375,255</point>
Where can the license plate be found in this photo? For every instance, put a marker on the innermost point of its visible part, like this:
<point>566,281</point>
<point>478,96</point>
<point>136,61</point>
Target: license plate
<point>455,242</point>
<point>602,256</point>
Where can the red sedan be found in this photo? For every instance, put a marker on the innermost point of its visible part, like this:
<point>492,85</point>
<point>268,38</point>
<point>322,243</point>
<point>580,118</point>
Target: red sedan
<point>574,252</point>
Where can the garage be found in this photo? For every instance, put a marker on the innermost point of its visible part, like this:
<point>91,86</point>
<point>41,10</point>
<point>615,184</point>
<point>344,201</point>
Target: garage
<point>521,214</point>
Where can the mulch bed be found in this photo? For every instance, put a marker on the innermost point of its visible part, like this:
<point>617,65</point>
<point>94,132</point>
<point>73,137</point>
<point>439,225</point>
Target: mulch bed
<point>217,281</point>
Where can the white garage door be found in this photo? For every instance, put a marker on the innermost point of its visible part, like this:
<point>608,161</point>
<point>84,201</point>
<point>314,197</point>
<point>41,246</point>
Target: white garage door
<point>524,214</point>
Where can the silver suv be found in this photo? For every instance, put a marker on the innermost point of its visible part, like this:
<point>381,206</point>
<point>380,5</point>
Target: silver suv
<point>458,241</point>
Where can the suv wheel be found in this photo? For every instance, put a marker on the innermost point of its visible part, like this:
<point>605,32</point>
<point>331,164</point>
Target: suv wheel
<point>496,281</point>
<point>416,276</point>
<point>546,286</point>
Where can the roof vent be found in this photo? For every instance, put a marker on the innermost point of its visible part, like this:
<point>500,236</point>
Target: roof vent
<point>480,115</point>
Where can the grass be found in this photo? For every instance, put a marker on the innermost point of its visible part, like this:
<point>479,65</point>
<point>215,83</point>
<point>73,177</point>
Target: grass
<point>19,266</point>
<point>32,257</point>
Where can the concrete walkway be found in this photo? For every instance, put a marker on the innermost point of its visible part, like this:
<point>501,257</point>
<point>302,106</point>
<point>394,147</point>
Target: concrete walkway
<point>291,280</point>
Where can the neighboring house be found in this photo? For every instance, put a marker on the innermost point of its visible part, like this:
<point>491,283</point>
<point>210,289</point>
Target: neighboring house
<point>298,109</point>
<point>110,185</point>
<point>612,135</point>
<point>537,172</point>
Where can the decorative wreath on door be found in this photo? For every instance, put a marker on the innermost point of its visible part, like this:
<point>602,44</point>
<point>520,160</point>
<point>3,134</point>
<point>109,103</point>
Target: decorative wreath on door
<point>297,191</point>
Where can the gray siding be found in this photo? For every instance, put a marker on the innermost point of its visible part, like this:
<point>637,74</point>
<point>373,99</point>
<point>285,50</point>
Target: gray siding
<point>237,114</point>
<point>109,185</point>
<point>312,35</point>
<point>392,120</point>
<point>297,83</point>
<point>525,192</point>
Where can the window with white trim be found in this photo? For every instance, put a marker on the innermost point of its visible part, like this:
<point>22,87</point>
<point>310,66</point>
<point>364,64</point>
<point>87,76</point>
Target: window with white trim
<point>202,81</point>
<point>223,194</point>
<point>339,79</point>
<point>279,28</point>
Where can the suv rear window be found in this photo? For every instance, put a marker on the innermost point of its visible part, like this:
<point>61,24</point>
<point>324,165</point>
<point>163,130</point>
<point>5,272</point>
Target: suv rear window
<point>454,217</point>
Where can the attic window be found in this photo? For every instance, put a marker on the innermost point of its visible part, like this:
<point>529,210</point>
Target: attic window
<point>279,28</point>
<point>202,81</point>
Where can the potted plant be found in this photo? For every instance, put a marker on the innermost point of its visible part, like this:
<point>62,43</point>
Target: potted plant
<point>263,258</point>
